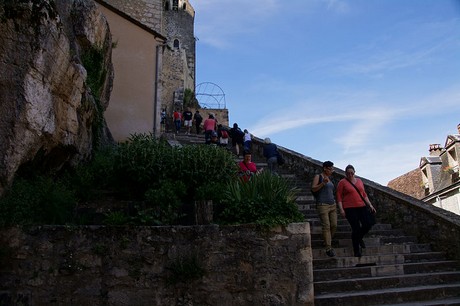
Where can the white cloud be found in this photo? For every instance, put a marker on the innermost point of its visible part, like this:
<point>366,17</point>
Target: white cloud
<point>384,163</point>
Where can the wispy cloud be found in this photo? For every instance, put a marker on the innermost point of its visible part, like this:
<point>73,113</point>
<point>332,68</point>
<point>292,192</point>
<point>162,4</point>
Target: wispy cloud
<point>365,118</point>
<point>338,6</point>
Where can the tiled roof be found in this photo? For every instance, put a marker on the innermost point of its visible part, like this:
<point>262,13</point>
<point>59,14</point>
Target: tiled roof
<point>409,183</point>
<point>145,13</point>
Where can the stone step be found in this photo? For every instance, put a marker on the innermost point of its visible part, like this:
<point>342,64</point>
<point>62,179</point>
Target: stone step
<point>363,268</point>
<point>370,241</point>
<point>376,250</point>
<point>397,281</point>
<point>374,232</point>
<point>438,302</point>
<point>315,227</point>
<point>376,259</point>
<point>390,295</point>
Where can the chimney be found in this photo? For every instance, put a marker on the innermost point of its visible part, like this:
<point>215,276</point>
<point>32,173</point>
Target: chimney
<point>458,128</point>
<point>435,149</point>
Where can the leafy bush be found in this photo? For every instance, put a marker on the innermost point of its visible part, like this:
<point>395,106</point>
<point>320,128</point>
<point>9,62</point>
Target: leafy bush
<point>116,218</point>
<point>163,204</point>
<point>88,179</point>
<point>165,182</point>
<point>144,163</point>
<point>41,200</point>
<point>266,200</point>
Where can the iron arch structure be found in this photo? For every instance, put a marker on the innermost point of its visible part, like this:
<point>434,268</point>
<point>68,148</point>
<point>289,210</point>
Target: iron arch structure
<point>210,95</point>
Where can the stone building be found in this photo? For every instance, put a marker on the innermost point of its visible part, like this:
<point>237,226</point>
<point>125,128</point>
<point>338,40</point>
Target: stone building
<point>437,180</point>
<point>154,61</point>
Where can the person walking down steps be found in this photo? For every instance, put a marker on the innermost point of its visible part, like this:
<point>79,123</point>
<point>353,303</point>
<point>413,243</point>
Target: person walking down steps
<point>323,190</point>
<point>355,206</point>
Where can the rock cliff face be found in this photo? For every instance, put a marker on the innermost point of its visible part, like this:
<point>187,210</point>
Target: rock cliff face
<point>55,83</point>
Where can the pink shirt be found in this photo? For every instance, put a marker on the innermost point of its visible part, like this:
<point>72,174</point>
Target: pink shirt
<point>251,167</point>
<point>209,124</point>
<point>348,195</point>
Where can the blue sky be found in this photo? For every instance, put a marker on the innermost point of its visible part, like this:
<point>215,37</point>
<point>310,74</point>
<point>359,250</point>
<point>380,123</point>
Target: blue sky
<point>365,82</point>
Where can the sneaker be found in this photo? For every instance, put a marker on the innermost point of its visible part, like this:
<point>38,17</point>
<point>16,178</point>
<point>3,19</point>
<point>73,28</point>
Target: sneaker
<point>330,253</point>
<point>362,244</point>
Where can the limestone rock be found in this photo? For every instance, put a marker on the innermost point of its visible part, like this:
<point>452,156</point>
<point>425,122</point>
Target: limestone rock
<point>49,114</point>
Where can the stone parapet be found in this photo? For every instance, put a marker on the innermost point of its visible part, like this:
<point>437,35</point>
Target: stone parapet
<point>430,224</point>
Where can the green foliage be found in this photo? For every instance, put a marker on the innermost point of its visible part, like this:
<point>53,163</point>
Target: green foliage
<point>93,61</point>
<point>190,100</point>
<point>185,269</point>
<point>163,204</point>
<point>116,218</point>
<point>165,182</point>
<point>89,178</point>
<point>266,200</point>
<point>145,163</point>
<point>40,200</point>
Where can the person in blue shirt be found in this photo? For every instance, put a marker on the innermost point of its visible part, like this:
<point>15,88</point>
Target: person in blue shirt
<point>271,154</point>
<point>325,204</point>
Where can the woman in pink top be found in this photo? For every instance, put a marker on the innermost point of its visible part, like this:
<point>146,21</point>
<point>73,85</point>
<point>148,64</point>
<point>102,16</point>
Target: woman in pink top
<point>352,204</point>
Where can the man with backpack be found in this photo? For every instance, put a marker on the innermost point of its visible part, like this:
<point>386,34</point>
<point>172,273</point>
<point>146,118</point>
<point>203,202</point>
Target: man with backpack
<point>323,191</point>
<point>198,119</point>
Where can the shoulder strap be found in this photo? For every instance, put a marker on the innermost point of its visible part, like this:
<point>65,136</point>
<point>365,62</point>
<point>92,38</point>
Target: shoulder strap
<point>357,191</point>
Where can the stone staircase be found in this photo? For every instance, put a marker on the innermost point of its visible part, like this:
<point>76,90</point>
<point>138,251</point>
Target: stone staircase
<point>394,270</point>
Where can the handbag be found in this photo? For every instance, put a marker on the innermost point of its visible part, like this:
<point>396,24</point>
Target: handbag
<point>370,217</point>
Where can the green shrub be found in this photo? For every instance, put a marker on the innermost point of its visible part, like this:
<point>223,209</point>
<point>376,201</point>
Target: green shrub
<point>144,162</point>
<point>39,200</point>
<point>266,200</point>
<point>163,204</point>
<point>88,179</point>
<point>116,218</point>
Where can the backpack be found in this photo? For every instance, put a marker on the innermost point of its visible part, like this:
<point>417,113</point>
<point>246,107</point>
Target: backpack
<point>316,193</point>
<point>224,134</point>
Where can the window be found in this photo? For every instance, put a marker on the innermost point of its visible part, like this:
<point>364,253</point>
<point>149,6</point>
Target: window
<point>176,43</point>
<point>175,5</point>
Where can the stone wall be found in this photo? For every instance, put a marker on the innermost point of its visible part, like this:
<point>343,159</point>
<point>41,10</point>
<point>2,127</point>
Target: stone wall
<point>199,265</point>
<point>430,224</point>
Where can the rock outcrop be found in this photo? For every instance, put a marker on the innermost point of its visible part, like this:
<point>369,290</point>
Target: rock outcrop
<point>55,81</point>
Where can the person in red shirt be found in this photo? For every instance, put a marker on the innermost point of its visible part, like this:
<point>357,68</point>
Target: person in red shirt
<point>177,117</point>
<point>247,168</point>
<point>352,201</point>
<point>209,126</point>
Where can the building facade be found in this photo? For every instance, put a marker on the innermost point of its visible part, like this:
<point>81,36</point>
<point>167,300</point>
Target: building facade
<point>437,180</point>
<point>154,61</point>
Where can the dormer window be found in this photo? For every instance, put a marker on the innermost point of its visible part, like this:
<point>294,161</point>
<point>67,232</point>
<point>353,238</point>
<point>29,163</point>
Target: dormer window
<point>425,181</point>
<point>452,157</point>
